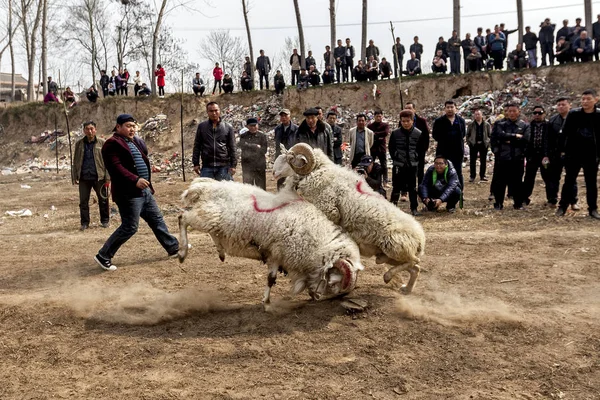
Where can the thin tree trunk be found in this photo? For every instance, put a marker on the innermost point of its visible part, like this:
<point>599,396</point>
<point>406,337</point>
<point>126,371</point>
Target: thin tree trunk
<point>363,49</point>
<point>245,9</point>
<point>30,45</point>
<point>587,4</point>
<point>300,34</point>
<point>44,46</point>
<point>332,27</point>
<point>520,26</point>
<point>91,5</point>
<point>456,14</point>
<point>155,36</point>
<point>12,54</point>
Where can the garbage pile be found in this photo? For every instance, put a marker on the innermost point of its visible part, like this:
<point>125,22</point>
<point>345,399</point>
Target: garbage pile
<point>154,127</point>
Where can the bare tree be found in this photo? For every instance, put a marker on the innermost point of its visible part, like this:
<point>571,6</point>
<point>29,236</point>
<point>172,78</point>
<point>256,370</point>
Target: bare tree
<point>587,5</point>
<point>11,34</point>
<point>520,19</point>
<point>456,14</point>
<point>364,31</point>
<point>245,9</point>
<point>45,44</point>
<point>125,32</point>
<point>227,50</point>
<point>30,13</point>
<point>300,33</point>
<point>8,37</point>
<point>332,27</point>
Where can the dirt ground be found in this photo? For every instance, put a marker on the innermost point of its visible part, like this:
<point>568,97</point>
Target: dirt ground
<point>507,307</point>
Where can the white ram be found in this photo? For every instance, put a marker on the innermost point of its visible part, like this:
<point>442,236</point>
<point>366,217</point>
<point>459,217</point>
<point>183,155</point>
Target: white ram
<point>378,227</point>
<point>282,230</point>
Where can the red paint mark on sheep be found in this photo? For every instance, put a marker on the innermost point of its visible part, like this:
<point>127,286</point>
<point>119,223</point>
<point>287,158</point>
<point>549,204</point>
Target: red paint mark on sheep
<point>268,210</point>
<point>360,189</point>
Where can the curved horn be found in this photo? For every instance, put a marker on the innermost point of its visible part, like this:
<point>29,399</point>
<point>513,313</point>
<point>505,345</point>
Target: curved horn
<point>282,148</point>
<point>303,161</point>
<point>349,276</point>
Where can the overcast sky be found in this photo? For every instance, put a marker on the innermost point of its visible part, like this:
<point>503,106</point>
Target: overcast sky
<point>271,21</point>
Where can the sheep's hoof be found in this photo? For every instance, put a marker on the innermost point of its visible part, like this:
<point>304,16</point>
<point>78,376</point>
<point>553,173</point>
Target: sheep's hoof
<point>222,258</point>
<point>387,277</point>
<point>181,255</point>
<point>405,289</point>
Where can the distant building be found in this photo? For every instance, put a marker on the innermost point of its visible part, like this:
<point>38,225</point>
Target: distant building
<point>5,86</point>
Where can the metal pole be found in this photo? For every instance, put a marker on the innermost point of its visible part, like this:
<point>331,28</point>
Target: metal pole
<point>56,139</point>
<point>399,66</point>
<point>68,133</point>
<point>181,121</point>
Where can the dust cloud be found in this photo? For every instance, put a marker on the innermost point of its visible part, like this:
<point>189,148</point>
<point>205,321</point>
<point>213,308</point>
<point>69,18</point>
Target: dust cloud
<point>139,303</point>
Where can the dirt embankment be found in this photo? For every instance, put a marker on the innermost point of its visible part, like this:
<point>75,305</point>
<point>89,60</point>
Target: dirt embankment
<point>18,123</point>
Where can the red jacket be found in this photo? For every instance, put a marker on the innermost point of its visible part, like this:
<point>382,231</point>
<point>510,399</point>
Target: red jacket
<point>160,73</point>
<point>218,73</point>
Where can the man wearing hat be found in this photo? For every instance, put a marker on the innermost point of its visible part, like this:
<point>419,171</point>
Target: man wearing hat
<point>313,132</point>
<point>372,173</point>
<point>253,144</point>
<point>285,133</point>
<point>125,156</point>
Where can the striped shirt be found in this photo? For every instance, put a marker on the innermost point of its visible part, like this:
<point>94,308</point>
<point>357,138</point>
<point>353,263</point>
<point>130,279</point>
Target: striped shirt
<point>140,165</point>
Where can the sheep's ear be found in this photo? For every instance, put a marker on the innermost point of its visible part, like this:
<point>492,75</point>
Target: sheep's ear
<point>282,148</point>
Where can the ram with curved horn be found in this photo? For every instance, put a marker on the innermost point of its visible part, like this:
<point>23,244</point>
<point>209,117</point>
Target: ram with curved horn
<point>378,227</point>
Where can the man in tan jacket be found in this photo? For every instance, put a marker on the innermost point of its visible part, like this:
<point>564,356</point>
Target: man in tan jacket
<point>89,172</point>
<point>361,140</point>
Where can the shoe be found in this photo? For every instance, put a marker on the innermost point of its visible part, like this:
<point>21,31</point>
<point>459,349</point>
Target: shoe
<point>527,201</point>
<point>471,180</point>
<point>484,179</point>
<point>575,207</point>
<point>83,227</point>
<point>104,263</point>
<point>594,214</point>
<point>452,210</point>
<point>550,205</point>
<point>415,213</point>
<point>498,207</point>
<point>560,212</point>
<point>104,224</point>
<point>519,208</point>
<point>491,197</point>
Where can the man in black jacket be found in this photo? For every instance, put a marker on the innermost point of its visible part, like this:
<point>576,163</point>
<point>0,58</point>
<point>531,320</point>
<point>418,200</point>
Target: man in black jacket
<point>253,144</point>
<point>581,149</point>
<point>530,39</point>
<point>285,133</point>
<point>372,173</point>
<point>509,141</point>
<point>263,66</point>
<point>339,54</point>
<point>440,185</point>
<point>381,130</point>
<point>537,155</point>
<point>104,81</point>
<point>310,60</point>
<point>338,139</point>
<point>596,37</point>
<point>421,124</point>
<point>215,146</point>
<point>416,48</point>
<point>450,130</point>
<point>349,59</point>
<point>546,37</point>
<point>398,53</point>
<point>313,132</point>
<point>404,149</point>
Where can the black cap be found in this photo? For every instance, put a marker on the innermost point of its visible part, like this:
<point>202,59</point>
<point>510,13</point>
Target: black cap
<point>251,121</point>
<point>365,161</point>
<point>121,119</point>
<point>311,111</point>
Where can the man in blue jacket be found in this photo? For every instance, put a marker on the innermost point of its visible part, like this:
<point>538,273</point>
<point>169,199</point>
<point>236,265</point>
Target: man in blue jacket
<point>126,159</point>
<point>440,185</point>
<point>497,42</point>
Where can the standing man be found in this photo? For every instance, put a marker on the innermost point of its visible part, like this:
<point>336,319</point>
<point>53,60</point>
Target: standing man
<point>52,86</point>
<point>536,155</point>
<point>404,145</point>
<point>478,138</point>
<point>509,141</point>
<point>381,130</point>
<point>531,40</point>
<point>215,146</point>
<point>104,81</point>
<point>253,144</point>
<point>497,42</point>
<point>546,38</point>
<point>339,53</point>
<point>313,132</point>
<point>310,60</point>
<point>327,57</point>
<point>596,36</point>
<point>555,138</point>
<point>361,140</point>
<point>581,149</point>
<point>467,44</point>
<point>295,63</point>
<point>263,66</point>
<point>338,138</point>
<point>349,58</point>
<point>450,130</point>
<point>416,48</point>
<point>89,172</point>
<point>398,52</point>
<point>125,156</point>
<point>285,133</point>
<point>481,43</point>
<point>372,50</point>
<point>421,124</point>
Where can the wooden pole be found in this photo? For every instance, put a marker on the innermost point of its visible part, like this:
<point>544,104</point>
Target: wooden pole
<point>399,66</point>
<point>181,120</point>
<point>56,139</point>
<point>68,133</point>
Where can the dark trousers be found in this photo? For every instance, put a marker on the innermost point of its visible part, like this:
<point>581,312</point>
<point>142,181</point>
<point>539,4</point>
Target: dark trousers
<point>382,156</point>
<point>498,56</point>
<point>228,88</point>
<point>349,66</point>
<point>216,173</point>
<point>404,179</point>
<point>261,76</point>
<point>217,82</point>
<point>450,201</point>
<point>131,210</point>
<point>296,75</point>
<point>555,171</point>
<point>256,177</point>
<point>279,88</point>
<point>421,169</point>
<point>533,164</point>
<point>85,189</point>
<point>104,91</point>
<point>597,49</point>
<point>590,174</point>
<point>479,150</point>
<point>161,90</point>
<point>457,162</point>
<point>399,66</point>
<point>547,50</point>
<point>337,160</point>
<point>455,62</point>
<point>199,90</point>
<point>124,90</point>
<point>356,159</point>
<point>508,173</point>
<point>340,68</point>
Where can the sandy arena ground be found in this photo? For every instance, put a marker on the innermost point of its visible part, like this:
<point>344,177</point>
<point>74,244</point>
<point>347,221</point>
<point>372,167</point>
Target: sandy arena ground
<point>507,307</point>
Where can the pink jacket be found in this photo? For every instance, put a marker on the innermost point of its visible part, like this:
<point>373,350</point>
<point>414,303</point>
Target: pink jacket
<point>218,73</point>
<point>160,73</point>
